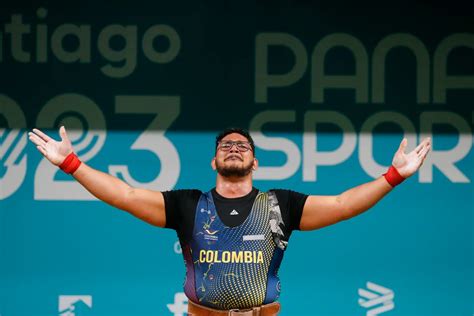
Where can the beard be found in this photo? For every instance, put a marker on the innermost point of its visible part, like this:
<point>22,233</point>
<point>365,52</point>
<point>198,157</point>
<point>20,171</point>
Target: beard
<point>234,171</point>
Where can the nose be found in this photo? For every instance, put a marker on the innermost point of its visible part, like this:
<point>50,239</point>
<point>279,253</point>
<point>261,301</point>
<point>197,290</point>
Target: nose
<point>234,149</point>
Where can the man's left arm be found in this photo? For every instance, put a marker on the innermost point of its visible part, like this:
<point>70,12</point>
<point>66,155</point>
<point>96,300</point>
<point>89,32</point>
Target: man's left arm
<point>320,211</point>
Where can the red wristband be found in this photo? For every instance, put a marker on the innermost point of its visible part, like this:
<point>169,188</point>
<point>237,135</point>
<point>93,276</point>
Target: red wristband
<point>393,177</point>
<point>70,164</point>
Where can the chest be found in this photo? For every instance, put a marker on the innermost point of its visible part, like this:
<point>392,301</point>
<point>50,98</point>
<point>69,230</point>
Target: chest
<point>211,229</point>
<point>233,213</point>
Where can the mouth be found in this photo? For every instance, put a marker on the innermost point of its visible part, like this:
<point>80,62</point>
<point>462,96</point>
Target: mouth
<point>234,157</point>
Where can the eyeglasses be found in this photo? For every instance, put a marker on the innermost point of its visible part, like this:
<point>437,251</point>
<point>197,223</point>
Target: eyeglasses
<point>241,146</point>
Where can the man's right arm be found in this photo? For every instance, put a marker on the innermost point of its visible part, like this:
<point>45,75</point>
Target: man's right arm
<point>145,204</point>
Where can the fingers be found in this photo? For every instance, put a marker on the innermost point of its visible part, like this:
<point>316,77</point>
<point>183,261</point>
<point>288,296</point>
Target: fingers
<point>63,134</point>
<point>424,151</point>
<point>419,147</point>
<point>41,150</point>
<point>403,145</point>
<point>36,139</point>
<point>425,142</point>
<point>42,135</point>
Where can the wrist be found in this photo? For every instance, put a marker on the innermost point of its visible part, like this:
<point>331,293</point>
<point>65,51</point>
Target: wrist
<point>393,177</point>
<point>70,163</point>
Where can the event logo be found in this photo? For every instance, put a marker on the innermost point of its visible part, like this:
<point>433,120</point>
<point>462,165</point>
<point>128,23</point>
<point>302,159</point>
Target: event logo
<point>12,147</point>
<point>86,125</point>
<point>434,80</point>
<point>180,305</point>
<point>72,305</point>
<point>378,300</point>
<point>46,41</point>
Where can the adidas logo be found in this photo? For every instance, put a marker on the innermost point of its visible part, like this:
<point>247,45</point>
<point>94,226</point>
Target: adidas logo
<point>234,212</point>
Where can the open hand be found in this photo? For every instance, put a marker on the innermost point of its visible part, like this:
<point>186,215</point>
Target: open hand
<point>53,150</point>
<point>408,164</point>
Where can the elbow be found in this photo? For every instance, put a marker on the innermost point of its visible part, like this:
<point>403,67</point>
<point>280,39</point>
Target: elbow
<point>345,212</point>
<point>124,198</point>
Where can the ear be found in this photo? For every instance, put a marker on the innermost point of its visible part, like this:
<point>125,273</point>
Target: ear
<point>255,164</point>
<point>213,163</point>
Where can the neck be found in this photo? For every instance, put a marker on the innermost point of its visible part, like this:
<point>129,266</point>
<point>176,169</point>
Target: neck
<point>233,187</point>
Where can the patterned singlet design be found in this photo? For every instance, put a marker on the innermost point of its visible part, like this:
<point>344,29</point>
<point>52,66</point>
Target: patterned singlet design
<point>234,267</point>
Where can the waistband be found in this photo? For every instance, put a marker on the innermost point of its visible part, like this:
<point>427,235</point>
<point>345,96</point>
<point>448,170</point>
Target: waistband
<point>271,309</point>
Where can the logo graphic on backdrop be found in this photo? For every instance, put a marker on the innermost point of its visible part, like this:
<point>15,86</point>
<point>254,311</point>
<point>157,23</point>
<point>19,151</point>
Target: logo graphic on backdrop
<point>12,145</point>
<point>180,305</point>
<point>88,134</point>
<point>378,300</point>
<point>177,247</point>
<point>74,305</point>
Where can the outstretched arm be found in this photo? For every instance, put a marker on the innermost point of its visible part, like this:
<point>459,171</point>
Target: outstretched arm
<point>144,204</point>
<point>320,211</point>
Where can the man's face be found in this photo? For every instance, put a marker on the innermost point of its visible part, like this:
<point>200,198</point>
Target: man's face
<point>234,161</point>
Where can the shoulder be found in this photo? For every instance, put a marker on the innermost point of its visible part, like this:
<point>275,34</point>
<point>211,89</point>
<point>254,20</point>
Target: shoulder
<point>183,193</point>
<point>290,199</point>
<point>291,204</point>
<point>287,194</point>
<point>180,206</point>
<point>181,196</point>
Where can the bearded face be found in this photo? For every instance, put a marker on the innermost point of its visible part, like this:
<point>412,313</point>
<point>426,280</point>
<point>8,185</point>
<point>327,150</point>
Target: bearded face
<point>234,166</point>
<point>234,157</point>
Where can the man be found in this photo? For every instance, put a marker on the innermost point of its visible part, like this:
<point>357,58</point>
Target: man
<point>234,236</point>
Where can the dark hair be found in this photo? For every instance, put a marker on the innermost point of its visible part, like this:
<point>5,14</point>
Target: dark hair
<point>236,130</point>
